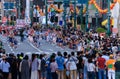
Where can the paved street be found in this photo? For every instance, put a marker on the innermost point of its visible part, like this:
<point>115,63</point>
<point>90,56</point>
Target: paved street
<point>28,48</point>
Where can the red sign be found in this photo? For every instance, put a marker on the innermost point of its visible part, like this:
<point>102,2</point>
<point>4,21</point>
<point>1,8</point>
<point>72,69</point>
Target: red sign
<point>115,30</point>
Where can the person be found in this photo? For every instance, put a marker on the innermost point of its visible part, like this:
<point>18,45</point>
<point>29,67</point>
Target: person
<point>60,62</point>
<point>54,67</point>
<point>101,67</point>
<point>43,67</point>
<point>73,67</point>
<point>80,64</point>
<point>67,65</point>
<point>39,66</point>
<point>34,67</point>
<point>24,68</point>
<point>66,60</point>
<point>111,69</point>
<point>14,68</point>
<point>117,68</point>
<point>5,68</point>
<point>11,60</point>
<point>22,35</point>
<point>18,66</point>
<point>85,61</point>
<point>91,69</point>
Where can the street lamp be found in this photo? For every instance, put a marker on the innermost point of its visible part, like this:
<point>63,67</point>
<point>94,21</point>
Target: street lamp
<point>87,14</point>
<point>108,15</point>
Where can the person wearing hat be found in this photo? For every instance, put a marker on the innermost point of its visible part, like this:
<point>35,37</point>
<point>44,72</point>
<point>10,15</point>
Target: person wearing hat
<point>110,66</point>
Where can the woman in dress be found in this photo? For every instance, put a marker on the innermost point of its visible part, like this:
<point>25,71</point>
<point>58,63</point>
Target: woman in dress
<point>25,68</point>
<point>34,67</point>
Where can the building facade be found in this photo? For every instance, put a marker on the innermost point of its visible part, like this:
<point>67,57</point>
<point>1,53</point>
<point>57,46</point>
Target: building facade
<point>8,9</point>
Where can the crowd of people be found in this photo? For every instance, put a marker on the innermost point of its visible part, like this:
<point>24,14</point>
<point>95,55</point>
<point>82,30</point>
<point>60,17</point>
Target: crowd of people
<point>73,65</point>
<point>93,56</point>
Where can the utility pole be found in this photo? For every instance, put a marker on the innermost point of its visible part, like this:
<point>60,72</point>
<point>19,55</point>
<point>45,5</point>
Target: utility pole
<point>46,12</point>
<point>19,7</point>
<point>96,15</point>
<point>75,14</point>
<point>81,13</point>
<point>66,4</point>
<point>31,8</point>
<point>109,14</point>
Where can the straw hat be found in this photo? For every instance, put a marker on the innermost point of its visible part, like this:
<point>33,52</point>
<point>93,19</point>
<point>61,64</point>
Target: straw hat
<point>111,56</point>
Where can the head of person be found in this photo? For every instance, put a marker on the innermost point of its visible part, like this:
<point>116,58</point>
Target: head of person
<point>79,53</point>
<point>33,56</point>
<point>72,53</point>
<point>69,55</point>
<point>90,60</point>
<point>4,56</point>
<point>26,57</point>
<point>59,53</point>
<point>53,55</point>
<point>65,54</point>
<point>11,55</point>
<point>18,55</point>
<point>5,60</point>
<point>41,55</point>
<point>111,56</point>
<point>100,55</point>
<point>22,54</point>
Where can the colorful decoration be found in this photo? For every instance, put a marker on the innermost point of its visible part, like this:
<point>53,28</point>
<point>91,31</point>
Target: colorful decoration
<point>118,1</point>
<point>106,21</point>
<point>54,7</point>
<point>77,10</point>
<point>100,9</point>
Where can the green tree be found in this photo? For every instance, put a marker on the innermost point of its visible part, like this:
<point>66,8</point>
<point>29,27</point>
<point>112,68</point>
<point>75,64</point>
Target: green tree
<point>101,30</point>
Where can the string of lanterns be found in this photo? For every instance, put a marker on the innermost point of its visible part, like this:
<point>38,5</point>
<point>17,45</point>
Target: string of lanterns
<point>103,11</point>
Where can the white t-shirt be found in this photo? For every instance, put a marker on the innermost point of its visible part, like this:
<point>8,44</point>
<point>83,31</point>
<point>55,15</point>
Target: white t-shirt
<point>85,61</point>
<point>105,57</point>
<point>39,64</point>
<point>72,63</point>
<point>90,67</point>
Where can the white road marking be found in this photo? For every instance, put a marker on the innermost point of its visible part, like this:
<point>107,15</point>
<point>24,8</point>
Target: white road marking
<point>51,50</point>
<point>3,39</point>
<point>35,47</point>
